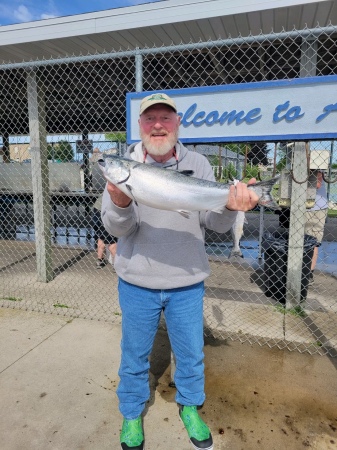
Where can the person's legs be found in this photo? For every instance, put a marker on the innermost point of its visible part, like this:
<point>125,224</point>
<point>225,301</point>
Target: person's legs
<point>315,227</point>
<point>112,249</point>
<point>100,249</point>
<point>101,261</point>
<point>314,259</point>
<point>141,309</point>
<point>112,253</point>
<point>111,243</point>
<point>97,228</point>
<point>184,320</point>
<point>103,239</point>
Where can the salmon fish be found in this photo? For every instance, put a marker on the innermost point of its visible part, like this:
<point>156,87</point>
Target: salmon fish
<point>174,190</point>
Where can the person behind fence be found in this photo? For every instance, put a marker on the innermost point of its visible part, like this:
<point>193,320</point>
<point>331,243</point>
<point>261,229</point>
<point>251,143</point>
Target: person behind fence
<point>102,238</point>
<point>315,220</point>
<point>161,263</point>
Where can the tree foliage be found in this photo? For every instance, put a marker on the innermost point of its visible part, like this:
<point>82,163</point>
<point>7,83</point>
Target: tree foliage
<point>61,152</point>
<point>117,136</point>
<point>251,172</point>
<point>228,172</point>
<point>281,156</point>
<point>257,152</point>
<point>258,156</point>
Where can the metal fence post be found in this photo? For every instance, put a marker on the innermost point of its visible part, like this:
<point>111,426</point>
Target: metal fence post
<point>5,147</point>
<point>297,223</point>
<point>40,177</point>
<point>139,71</point>
<point>261,231</point>
<point>86,164</point>
<point>300,169</point>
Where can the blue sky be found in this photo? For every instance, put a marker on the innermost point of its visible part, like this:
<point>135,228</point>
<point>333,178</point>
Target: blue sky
<point>19,11</point>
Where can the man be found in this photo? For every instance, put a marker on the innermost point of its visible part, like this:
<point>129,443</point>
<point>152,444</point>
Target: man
<point>316,217</point>
<point>315,220</point>
<point>161,263</point>
<point>102,237</point>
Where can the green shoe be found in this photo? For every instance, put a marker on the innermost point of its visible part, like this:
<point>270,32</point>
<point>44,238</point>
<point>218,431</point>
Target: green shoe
<point>198,432</point>
<point>132,435</point>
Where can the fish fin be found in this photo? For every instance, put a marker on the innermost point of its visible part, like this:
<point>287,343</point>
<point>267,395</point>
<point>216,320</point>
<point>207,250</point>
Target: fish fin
<point>130,190</point>
<point>266,198</point>
<point>185,214</point>
<point>188,173</point>
<point>219,210</point>
<point>124,179</point>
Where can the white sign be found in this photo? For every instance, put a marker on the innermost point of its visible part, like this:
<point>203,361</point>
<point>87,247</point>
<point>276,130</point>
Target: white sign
<point>282,110</point>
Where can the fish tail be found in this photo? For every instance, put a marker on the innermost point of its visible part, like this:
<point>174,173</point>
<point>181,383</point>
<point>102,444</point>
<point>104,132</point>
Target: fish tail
<point>266,199</point>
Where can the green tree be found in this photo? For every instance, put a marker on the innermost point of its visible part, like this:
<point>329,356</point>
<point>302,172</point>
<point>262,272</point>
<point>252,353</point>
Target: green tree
<point>61,151</point>
<point>281,156</point>
<point>251,172</point>
<point>213,160</point>
<point>117,136</point>
<point>227,172</point>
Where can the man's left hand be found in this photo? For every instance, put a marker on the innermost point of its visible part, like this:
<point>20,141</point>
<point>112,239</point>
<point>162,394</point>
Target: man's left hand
<point>241,198</point>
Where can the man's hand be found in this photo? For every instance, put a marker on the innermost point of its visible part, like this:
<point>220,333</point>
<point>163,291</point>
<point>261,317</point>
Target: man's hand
<point>117,196</point>
<point>241,198</point>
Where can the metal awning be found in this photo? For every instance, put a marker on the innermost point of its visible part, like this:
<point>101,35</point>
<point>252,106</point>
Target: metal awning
<point>158,24</point>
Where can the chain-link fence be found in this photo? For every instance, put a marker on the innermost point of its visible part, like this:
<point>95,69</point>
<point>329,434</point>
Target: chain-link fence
<point>57,117</point>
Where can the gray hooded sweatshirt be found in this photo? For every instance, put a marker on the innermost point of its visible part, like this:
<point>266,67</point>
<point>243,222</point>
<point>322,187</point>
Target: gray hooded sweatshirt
<point>160,249</point>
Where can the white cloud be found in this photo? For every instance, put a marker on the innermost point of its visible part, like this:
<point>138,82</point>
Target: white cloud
<point>47,16</point>
<point>17,11</point>
<point>23,14</point>
<point>26,11</point>
<point>51,11</point>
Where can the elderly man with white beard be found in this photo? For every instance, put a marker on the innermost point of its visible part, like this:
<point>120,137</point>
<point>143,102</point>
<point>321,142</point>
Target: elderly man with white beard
<point>161,263</point>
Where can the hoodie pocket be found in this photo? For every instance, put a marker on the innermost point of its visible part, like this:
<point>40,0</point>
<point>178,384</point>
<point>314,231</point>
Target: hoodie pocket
<point>181,258</point>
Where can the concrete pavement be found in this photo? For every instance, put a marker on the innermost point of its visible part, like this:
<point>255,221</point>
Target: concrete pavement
<point>58,378</point>
<point>57,386</point>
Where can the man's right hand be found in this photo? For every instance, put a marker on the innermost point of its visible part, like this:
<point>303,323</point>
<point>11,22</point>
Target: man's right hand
<point>117,196</point>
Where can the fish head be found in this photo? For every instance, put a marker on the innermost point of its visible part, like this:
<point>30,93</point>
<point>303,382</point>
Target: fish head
<point>115,169</point>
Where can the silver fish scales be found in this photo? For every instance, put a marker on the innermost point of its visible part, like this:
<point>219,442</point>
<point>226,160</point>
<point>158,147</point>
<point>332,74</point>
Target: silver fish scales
<point>174,190</point>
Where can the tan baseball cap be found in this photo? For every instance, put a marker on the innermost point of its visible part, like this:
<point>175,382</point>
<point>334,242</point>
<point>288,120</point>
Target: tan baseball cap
<point>154,99</point>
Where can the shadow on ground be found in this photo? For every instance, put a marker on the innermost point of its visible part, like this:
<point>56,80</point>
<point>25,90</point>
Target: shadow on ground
<point>259,398</point>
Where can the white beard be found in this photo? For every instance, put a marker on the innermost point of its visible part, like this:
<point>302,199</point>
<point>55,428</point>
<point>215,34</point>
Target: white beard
<point>159,148</point>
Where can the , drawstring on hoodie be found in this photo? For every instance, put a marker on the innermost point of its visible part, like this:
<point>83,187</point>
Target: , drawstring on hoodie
<point>136,153</point>
<point>164,167</point>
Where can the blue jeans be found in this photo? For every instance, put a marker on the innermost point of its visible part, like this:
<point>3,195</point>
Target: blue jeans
<point>141,310</point>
